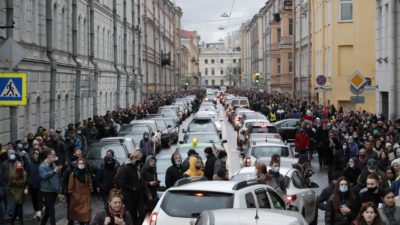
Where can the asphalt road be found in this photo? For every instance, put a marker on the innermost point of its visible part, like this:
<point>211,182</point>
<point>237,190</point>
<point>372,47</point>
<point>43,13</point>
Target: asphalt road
<point>228,133</point>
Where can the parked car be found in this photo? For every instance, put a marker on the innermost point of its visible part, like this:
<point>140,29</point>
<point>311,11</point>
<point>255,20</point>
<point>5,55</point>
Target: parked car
<point>155,135</point>
<point>169,134</point>
<point>127,141</point>
<point>287,128</point>
<point>263,149</point>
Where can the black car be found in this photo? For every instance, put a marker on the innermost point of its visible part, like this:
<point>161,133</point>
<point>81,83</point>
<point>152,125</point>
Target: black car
<point>288,128</point>
<point>169,130</point>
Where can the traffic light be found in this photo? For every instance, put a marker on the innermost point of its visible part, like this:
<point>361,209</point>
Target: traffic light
<point>257,78</point>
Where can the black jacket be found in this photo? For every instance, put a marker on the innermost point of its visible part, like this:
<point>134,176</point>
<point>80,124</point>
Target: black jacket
<point>148,176</point>
<point>130,181</point>
<point>324,197</point>
<point>173,173</point>
<point>335,217</point>
<point>105,178</point>
<point>209,167</point>
<point>352,174</point>
<point>60,149</point>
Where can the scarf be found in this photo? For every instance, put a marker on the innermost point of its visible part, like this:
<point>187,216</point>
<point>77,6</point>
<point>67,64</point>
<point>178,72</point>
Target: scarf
<point>112,212</point>
<point>80,174</point>
<point>389,213</point>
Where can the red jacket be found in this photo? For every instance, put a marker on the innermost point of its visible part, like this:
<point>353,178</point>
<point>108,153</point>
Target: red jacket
<point>302,141</point>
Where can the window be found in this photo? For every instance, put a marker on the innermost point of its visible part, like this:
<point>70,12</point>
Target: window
<point>207,82</point>
<point>278,63</point>
<point>212,71</point>
<point>290,61</point>
<point>276,200</point>
<point>234,60</point>
<point>262,199</point>
<point>212,61</point>
<point>212,82</point>
<point>206,71</point>
<point>290,26</point>
<point>234,71</point>
<point>299,180</point>
<point>221,61</point>
<point>222,82</point>
<point>206,61</point>
<point>250,202</point>
<point>279,35</point>
<point>222,71</point>
<point>346,10</point>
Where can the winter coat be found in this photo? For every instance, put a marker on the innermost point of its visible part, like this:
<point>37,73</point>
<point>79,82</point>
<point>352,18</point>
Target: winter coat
<point>340,159</point>
<point>150,174</point>
<point>33,174</point>
<point>173,173</point>
<point>209,167</point>
<point>17,187</point>
<point>335,217</point>
<point>91,134</point>
<point>80,203</point>
<point>6,167</point>
<point>60,149</point>
<point>302,141</point>
<point>101,216</point>
<point>384,217</point>
<point>130,181</point>
<point>192,171</point>
<point>323,198</point>
<point>50,181</point>
<point>352,174</point>
<point>219,165</point>
<point>105,178</point>
<point>146,146</point>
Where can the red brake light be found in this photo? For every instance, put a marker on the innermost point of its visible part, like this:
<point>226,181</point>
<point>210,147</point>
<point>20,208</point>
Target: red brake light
<point>153,218</point>
<point>248,161</point>
<point>199,194</point>
<point>291,198</point>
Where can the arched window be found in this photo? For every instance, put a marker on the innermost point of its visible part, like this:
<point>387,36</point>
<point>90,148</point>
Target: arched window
<point>63,44</point>
<point>97,50</point>
<point>38,112</point>
<point>103,48</point>
<point>85,38</point>
<point>55,27</point>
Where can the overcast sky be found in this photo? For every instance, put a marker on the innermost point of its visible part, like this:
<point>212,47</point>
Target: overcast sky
<point>205,16</point>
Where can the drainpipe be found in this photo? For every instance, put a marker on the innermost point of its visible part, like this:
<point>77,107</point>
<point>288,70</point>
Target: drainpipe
<point>76,60</point>
<point>309,53</point>
<point>126,57</point>
<point>92,59</point>
<point>394,61</point>
<point>140,52</point>
<point>116,54</point>
<point>133,52</point>
<point>146,50</point>
<point>154,47</point>
<point>53,62</point>
<point>300,53</point>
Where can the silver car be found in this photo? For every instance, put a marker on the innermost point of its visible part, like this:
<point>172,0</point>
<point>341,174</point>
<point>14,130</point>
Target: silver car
<point>301,194</point>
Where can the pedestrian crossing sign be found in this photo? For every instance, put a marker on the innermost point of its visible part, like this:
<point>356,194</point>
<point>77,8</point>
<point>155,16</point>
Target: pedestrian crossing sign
<point>13,89</point>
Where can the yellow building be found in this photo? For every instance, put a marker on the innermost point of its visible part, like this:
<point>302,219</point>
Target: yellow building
<point>343,37</point>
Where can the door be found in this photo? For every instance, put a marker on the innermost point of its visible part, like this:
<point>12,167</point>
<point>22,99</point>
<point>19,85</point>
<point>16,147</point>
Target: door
<point>306,203</point>
<point>262,199</point>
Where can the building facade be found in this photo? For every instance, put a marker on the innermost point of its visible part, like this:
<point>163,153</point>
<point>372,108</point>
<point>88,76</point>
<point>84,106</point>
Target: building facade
<point>87,57</point>
<point>190,59</point>
<point>245,56</point>
<point>343,43</point>
<point>219,67</point>
<point>387,58</point>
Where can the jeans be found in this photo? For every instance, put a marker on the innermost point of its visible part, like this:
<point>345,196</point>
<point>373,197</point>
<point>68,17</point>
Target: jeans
<point>1,214</point>
<point>50,212</point>
<point>8,202</point>
<point>37,200</point>
<point>18,212</point>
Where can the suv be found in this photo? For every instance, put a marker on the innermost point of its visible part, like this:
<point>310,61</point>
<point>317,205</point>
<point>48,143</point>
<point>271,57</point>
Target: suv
<point>256,127</point>
<point>183,203</point>
<point>242,102</point>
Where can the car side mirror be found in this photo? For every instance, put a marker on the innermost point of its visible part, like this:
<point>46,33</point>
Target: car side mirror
<point>314,185</point>
<point>169,126</point>
<point>162,188</point>
<point>180,142</point>
<point>224,141</point>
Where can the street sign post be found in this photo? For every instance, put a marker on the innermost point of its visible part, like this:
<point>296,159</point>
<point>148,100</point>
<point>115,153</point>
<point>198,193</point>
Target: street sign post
<point>357,81</point>
<point>13,89</point>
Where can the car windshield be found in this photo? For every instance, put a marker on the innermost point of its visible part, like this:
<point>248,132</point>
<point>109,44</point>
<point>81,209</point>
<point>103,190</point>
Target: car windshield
<point>201,127</point>
<point>190,204</point>
<point>133,129</point>
<point>244,176</point>
<point>264,129</point>
<point>170,122</point>
<point>162,165</point>
<point>98,152</point>
<point>243,102</point>
<point>160,124</point>
<point>167,112</point>
<point>205,138</point>
<point>268,151</point>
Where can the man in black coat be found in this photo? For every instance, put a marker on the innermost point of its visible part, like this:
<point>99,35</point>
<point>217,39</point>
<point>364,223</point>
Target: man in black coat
<point>174,172</point>
<point>59,148</point>
<point>104,178</point>
<point>209,167</point>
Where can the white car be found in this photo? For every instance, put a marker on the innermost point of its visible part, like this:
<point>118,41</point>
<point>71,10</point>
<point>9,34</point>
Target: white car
<point>301,195</point>
<point>256,126</point>
<point>258,150</point>
<point>249,216</point>
<point>156,136</point>
<point>182,204</point>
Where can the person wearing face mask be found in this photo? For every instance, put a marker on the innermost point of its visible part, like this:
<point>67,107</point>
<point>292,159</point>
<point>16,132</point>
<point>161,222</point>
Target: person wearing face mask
<point>220,163</point>
<point>340,208</point>
<point>372,167</point>
<point>389,212</point>
<point>351,172</point>
<point>133,187</point>
<point>79,190</point>
<point>105,176</point>
<point>7,168</point>
<point>371,193</point>
<point>209,167</point>
<point>26,148</point>
<point>175,171</point>
<point>32,170</point>
<point>279,179</point>
<point>146,146</point>
<point>49,186</point>
<point>383,161</point>
<point>362,161</point>
<point>18,190</point>
<point>149,173</point>
<point>341,157</point>
<point>195,167</point>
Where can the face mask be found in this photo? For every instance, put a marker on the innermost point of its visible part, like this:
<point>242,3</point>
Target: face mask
<point>275,170</point>
<point>178,163</point>
<point>344,147</point>
<point>343,189</point>
<point>146,137</point>
<point>372,190</point>
<point>12,157</point>
<point>362,156</point>
<point>81,167</point>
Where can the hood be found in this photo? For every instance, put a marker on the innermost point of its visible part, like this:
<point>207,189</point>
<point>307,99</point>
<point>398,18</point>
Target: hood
<point>146,165</point>
<point>192,171</point>
<point>172,158</point>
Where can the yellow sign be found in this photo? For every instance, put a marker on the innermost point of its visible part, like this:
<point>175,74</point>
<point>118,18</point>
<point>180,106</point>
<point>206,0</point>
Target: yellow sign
<point>357,80</point>
<point>13,89</point>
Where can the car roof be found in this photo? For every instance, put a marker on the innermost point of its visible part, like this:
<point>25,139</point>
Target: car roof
<point>252,169</point>
<point>247,216</point>
<point>257,120</point>
<point>201,144</point>
<point>142,121</point>
<point>274,144</point>
<point>164,157</point>
<point>116,138</point>
<point>210,186</point>
<point>201,114</point>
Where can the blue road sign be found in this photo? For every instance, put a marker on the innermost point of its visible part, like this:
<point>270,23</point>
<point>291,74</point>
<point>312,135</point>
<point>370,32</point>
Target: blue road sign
<point>12,89</point>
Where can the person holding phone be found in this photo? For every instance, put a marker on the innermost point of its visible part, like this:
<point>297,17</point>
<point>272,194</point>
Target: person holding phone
<point>115,213</point>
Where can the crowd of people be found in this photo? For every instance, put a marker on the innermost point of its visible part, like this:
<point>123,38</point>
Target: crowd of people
<point>359,150</point>
<point>50,166</point>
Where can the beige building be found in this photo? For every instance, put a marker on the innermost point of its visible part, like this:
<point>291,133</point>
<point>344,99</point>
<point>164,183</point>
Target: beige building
<point>268,41</point>
<point>245,56</point>
<point>190,58</point>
